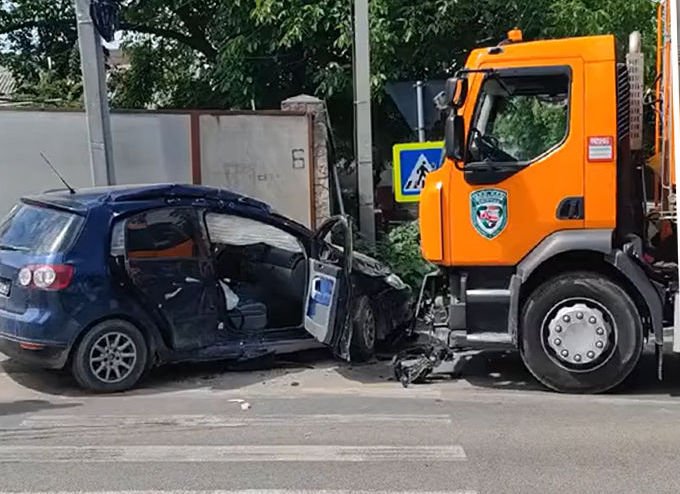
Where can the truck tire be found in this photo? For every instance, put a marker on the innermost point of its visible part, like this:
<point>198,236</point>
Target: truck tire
<point>580,333</point>
<point>364,330</point>
<point>111,357</point>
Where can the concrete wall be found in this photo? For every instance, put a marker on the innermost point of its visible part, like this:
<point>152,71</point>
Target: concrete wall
<point>148,148</point>
<point>261,155</point>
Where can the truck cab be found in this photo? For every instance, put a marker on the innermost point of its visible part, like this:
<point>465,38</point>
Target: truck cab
<point>538,219</point>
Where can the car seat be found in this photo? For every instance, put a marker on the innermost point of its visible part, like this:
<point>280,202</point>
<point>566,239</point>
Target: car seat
<point>249,314</point>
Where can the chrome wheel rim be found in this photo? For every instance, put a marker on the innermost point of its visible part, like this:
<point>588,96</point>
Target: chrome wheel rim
<point>579,334</point>
<point>113,357</point>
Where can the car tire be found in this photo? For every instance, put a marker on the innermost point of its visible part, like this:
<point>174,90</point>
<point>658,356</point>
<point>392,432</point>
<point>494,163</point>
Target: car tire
<point>559,317</point>
<point>364,330</point>
<point>111,357</point>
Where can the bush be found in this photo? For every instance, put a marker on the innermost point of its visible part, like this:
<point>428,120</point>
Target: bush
<point>400,250</point>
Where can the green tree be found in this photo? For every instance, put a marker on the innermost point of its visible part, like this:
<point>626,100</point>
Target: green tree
<point>235,53</point>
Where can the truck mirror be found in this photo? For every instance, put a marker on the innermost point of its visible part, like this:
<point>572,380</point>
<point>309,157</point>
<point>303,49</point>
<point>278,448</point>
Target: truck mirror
<point>456,91</point>
<point>454,137</point>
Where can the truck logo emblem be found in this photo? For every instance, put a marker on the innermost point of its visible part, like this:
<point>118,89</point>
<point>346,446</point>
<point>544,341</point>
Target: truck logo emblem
<point>489,211</point>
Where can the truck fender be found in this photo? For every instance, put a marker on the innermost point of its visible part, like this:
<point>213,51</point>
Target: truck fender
<point>551,246</point>
<point>561,242</point>
<point>593,241</point>
<point>639,279</point>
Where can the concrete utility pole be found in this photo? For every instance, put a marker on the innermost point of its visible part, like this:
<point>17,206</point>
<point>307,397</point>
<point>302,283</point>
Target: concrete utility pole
<point>362,112</point>
<point>96,101</point>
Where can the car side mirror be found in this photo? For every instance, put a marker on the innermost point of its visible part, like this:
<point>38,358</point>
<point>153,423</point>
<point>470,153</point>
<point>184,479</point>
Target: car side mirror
<point>454,140</point>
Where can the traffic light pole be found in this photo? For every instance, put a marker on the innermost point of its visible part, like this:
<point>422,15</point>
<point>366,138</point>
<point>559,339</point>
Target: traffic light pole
<point>96,100</point>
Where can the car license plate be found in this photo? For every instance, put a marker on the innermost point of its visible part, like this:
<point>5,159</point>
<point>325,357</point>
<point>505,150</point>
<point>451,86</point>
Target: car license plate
<point>4,288</point>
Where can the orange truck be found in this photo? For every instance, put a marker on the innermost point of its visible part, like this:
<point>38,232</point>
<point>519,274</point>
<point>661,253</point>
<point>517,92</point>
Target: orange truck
<point>552,227</point>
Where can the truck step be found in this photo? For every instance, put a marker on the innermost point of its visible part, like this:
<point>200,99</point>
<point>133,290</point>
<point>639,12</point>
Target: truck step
<point>504,338</point>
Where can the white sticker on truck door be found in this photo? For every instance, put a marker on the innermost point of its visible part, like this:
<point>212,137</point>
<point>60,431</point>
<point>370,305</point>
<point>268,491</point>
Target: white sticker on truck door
<point>600,148</point>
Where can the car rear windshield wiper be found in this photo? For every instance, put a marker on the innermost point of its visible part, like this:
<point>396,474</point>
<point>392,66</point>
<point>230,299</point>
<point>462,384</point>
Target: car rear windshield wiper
<point>13,248</point>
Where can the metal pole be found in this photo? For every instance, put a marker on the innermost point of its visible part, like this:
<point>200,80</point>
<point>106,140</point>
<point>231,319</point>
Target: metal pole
<point>96,101</point>
<point>362,101</point>
<point>421,111</point>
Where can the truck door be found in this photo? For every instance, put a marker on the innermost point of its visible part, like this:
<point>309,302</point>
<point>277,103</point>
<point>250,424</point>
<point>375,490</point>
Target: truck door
<point>523,176</point>
<point>329,288</point>
<point>168,263</point>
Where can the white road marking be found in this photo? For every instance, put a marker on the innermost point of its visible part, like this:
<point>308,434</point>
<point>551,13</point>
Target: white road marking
<point>250,491</point>
<point>228,454</point>
<point>303,420</point>
<point>382,390</point>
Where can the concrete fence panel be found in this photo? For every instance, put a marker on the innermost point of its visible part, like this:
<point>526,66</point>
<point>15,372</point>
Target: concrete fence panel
<point>266,156</point>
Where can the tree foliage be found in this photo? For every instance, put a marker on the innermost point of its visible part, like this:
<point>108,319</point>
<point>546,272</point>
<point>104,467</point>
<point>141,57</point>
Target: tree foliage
<point>400,249</point>
<point>236,53</point>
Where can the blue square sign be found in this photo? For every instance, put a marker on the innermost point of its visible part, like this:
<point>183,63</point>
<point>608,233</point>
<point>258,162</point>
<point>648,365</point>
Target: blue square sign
<point>412,162</point>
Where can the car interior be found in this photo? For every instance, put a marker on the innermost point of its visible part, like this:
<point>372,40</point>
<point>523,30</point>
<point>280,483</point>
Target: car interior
<point>262,271</point>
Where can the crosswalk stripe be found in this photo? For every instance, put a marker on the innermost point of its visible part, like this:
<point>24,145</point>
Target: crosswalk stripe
<point>50,426</point>
<point>228,454</point>
<point>251,491</point>
<point>226,421</point>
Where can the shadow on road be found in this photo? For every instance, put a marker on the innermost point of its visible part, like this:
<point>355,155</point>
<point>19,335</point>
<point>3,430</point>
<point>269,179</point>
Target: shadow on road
<point>495,370</point>
<point>505,370</point>
<point>500,370</point>
<point>219,375</point>
<point>643,380</point>
<point>30,406</point>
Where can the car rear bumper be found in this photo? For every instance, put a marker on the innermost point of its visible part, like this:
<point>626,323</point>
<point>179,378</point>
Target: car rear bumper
<point>47,355</point>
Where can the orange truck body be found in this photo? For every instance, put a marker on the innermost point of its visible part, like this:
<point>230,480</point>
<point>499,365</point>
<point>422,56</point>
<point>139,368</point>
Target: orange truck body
<point>523,240</point>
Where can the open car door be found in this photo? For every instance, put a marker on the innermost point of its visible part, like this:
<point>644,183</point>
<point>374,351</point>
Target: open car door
<point>329,288</point>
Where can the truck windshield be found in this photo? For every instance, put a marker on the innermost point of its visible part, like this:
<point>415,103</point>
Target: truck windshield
<point>38,230</point>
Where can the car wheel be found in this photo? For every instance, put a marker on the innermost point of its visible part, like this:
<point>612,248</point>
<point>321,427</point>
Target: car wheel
<point>364,330</point>
<point>111,357</point>
<point>580,333</point>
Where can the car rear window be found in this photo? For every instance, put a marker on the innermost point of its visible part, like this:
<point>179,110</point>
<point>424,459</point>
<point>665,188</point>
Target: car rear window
<point>40,230</point>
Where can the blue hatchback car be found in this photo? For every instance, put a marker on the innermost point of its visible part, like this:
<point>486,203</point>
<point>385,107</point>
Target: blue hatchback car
<point>109,282</point>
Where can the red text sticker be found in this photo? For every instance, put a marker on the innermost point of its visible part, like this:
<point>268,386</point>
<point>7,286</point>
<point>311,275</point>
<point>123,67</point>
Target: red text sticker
<point>600,148</point>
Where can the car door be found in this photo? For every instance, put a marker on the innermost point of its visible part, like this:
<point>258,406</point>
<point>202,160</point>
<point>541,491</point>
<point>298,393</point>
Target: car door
<point>329,288</point>
<point>168,262</point>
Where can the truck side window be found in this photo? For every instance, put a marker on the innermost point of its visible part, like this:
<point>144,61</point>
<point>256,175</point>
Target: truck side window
<point>519,118</point>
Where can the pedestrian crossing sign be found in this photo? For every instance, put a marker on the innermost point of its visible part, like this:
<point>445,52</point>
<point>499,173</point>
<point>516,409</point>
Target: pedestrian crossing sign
<point>411,163</point>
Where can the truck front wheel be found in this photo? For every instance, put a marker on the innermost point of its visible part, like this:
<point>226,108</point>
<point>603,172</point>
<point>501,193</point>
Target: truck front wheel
<point>580,333</point>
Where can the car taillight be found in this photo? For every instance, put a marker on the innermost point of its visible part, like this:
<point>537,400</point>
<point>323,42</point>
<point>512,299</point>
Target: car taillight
<point>46,276</point>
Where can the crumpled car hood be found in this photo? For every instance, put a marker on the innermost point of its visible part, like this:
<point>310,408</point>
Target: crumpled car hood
<point>369,266</point>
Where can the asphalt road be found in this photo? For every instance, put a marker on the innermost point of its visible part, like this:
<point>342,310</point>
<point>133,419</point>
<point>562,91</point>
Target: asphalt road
<point>313,425</point>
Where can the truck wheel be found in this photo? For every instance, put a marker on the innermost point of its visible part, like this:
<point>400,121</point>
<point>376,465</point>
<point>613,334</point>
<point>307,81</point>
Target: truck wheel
<point>364,328</point>
<point>580,333</point>
<point>111,357</point>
